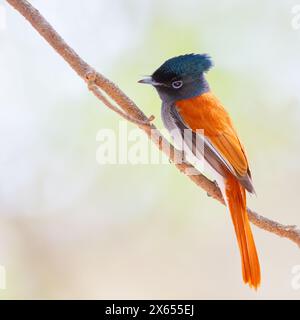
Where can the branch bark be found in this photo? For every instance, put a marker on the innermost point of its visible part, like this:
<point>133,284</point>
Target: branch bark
<point>127,109</point>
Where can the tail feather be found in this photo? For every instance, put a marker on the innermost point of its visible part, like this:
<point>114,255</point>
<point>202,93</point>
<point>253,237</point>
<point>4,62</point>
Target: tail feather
<point>236,201</point>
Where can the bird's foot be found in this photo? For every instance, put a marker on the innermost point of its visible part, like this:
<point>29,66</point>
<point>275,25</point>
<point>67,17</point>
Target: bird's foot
<point>216,184</point>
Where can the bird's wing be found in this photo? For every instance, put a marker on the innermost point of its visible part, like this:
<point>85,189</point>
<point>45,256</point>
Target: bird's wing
<point>222,147</point>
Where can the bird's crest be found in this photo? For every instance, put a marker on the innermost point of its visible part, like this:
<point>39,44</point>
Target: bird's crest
<point>181,66</point>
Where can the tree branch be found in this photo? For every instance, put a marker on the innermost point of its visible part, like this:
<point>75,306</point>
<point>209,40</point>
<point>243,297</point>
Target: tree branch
<point>129,110</point>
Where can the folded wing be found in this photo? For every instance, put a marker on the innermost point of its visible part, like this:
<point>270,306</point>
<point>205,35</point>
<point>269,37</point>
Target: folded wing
<point>222,147</point>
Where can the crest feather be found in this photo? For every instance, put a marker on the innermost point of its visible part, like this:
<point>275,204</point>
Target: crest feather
<point>184,65</point>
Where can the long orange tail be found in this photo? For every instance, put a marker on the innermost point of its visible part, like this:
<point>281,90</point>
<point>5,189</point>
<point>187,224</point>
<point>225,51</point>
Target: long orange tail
<point>236,200</point>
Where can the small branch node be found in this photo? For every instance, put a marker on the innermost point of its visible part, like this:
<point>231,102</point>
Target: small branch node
<point>151,118</point>
<point>90,78</point>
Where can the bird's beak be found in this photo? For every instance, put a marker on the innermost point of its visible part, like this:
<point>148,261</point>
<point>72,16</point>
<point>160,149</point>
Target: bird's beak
<point>149,80</point>
<point>146,80</point>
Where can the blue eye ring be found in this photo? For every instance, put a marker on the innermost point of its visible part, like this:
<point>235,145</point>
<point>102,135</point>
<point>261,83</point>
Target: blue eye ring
<point>177,84</point>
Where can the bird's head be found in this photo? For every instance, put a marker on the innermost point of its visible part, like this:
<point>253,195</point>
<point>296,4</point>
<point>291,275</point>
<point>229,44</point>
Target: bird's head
<point>181,77</point>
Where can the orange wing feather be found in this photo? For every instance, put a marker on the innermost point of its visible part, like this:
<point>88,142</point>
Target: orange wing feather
<point>207,113</point>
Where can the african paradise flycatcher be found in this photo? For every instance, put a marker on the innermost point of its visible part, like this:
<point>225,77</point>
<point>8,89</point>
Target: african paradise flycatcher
<point>188,104</point>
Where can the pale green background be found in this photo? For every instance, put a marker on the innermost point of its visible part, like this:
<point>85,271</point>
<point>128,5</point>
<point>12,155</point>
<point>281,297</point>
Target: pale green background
<point>70,228</point>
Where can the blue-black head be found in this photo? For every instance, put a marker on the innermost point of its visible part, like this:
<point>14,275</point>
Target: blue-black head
<point>181,77</point>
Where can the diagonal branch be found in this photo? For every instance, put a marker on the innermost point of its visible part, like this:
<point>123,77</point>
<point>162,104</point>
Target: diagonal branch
<point>129,110</point>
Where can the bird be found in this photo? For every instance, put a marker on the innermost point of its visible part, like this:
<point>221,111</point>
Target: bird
<point>189,104</point>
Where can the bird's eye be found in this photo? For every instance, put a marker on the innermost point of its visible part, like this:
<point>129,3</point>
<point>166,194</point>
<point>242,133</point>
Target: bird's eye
<point>177,84</point>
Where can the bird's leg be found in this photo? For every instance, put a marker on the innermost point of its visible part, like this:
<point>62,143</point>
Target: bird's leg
<point>216,184</point>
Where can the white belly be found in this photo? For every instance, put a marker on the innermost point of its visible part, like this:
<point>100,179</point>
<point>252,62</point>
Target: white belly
<point>197,161</point>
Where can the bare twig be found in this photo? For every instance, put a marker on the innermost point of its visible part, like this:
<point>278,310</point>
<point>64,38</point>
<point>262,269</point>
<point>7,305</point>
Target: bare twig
<point>91,79</point>
<point>132,113</point>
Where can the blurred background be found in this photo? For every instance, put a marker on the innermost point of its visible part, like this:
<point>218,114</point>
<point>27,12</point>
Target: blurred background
<point>71,228</point>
